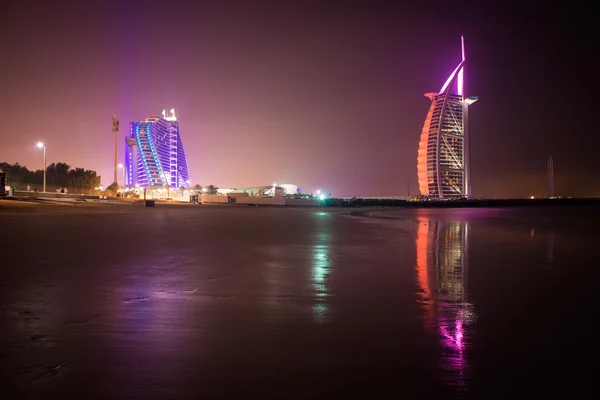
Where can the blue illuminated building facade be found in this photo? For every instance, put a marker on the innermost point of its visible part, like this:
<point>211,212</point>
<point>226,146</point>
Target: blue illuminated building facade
<point>154,153</point>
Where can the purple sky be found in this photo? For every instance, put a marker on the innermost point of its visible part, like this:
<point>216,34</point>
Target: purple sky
<point>316,94</point>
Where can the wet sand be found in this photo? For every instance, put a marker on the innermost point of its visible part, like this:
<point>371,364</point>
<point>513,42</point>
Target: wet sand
<point>248,302</point>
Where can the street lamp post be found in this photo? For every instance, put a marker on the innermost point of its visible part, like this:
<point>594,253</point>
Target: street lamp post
<point>42,145</point>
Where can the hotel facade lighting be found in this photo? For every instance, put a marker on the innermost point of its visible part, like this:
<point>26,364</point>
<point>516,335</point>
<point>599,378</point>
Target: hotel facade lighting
<point>154,153</point>
<point>443,159</point>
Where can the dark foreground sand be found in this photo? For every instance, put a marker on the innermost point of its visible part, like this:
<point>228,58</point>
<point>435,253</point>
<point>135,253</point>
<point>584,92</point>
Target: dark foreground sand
<point>234,302</point>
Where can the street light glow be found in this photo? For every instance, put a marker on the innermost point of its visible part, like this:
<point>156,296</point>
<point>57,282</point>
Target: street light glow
<point>41,145</point>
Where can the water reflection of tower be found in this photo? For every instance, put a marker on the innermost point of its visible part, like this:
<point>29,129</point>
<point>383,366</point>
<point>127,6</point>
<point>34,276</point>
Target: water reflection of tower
<point>442,262</point>
<point>442,271</point>
<point>449,259</point>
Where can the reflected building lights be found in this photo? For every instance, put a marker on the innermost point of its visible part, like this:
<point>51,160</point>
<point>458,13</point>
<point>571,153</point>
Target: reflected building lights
<point>442,270</point>
<point>423,270</point>
<point>152,305</point>
<point>321,268</point>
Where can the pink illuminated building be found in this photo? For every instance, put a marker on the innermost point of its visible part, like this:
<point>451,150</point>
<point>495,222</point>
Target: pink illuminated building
<point>443,159</point>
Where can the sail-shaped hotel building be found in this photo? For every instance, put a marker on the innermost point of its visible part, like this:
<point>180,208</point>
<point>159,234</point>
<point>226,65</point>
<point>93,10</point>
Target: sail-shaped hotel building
<point>154,153</point>
<point>443,158</point>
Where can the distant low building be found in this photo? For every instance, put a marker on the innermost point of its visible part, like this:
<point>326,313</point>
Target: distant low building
<point>267,190</point>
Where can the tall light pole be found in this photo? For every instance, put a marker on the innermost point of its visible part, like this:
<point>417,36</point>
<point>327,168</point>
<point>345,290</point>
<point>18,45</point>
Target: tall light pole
<point>42,145</point>
<point>115,129</point>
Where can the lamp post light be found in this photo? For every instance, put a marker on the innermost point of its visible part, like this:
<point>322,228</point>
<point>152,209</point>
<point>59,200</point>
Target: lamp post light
<point>42,145</point>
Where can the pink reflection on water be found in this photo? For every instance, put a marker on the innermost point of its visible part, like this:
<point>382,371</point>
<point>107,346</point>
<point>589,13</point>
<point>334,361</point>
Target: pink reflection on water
<point>452,327</point>
<point>442,254</point>
<point>453,340</point>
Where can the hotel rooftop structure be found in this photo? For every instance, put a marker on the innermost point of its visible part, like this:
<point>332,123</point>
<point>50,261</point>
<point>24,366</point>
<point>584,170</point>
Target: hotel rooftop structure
<point>443,158</point>
<point>154,153</point>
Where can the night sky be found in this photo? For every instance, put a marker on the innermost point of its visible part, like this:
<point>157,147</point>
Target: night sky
<point>324,95</point>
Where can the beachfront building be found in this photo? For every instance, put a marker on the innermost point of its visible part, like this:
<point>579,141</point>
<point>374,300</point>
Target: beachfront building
<point>274,190</point>
<point>443,157</point>
<point>154,153</point>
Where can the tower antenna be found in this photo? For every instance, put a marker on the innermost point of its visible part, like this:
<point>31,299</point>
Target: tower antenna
<point>551,176</point>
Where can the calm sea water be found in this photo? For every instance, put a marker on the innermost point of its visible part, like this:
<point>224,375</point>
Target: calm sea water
<point>510,295</point>
<point>202,302</point>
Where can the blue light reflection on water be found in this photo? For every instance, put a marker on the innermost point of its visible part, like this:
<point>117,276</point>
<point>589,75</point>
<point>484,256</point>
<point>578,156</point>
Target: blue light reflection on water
<point>321,268</point>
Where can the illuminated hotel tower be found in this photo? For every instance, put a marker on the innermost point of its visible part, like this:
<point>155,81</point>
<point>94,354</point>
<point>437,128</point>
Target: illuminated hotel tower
<point>154,155</point>
<point>443,159</point>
